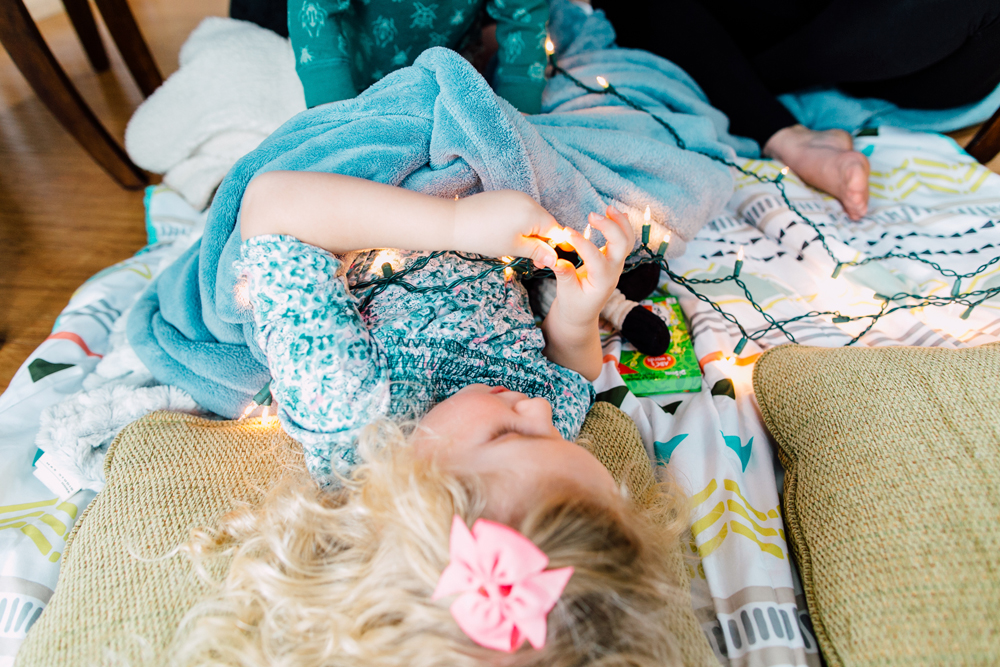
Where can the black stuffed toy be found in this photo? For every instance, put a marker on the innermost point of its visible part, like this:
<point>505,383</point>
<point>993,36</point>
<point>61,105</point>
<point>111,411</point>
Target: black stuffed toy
<point>647,332</point>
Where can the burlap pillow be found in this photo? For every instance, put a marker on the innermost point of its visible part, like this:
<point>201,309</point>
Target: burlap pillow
<point>892,497</point>
<point>119,598</point>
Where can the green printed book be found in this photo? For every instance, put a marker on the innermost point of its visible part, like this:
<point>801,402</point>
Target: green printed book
<point>669,373</point>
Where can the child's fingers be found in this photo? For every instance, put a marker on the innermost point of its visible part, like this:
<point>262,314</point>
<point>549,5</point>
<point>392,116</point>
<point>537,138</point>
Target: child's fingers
<point>623,223</point>
<point>594,261</point>
<point>566,275</point>
<point>619,239</point>
<point>538,251</point>
<point>624,227</point>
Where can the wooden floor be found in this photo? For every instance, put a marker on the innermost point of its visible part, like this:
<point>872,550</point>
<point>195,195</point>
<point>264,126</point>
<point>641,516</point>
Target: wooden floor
<point>62,218</point>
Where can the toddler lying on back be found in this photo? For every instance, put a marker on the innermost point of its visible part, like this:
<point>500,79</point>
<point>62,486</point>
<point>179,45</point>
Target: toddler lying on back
<point>482,535</point>
<point>466,528</point>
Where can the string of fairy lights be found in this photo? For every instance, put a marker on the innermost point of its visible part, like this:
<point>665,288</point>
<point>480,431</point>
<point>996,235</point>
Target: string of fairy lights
<point>369,289</point>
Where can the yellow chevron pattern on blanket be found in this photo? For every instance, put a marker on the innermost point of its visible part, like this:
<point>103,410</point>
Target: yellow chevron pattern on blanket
<point>914,174</point>
<point>766,547</point>
<point>19,513</point>
<point>726,511</point>
<point>896,184</point>
<point>705,522</point>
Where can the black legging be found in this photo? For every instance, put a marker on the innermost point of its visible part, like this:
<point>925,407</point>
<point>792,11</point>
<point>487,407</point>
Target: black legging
<point>921,54</point>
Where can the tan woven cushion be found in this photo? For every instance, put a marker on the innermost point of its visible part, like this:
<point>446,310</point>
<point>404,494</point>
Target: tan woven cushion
<point>169,472</point>
<point>892,497</point>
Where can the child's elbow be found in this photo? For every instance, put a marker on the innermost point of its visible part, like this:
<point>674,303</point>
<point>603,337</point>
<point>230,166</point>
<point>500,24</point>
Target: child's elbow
<point>260,202</point>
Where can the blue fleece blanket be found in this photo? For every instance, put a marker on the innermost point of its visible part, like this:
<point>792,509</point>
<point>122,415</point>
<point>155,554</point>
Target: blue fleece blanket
<point>437,127</point>
<point>828,108</point>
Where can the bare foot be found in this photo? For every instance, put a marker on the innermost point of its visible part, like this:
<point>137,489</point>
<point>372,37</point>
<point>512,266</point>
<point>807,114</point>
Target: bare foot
<point>827,161</point>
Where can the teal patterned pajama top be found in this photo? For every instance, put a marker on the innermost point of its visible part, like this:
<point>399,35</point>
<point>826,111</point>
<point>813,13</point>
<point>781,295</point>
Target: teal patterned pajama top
<point>343,46</point>
<point>336,369</point>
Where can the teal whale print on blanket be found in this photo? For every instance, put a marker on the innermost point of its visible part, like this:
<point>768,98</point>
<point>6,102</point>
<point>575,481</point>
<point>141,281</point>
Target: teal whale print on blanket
<point>736,444</point>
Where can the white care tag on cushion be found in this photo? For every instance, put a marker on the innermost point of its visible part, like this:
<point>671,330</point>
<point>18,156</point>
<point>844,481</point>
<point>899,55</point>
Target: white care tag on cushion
<point>60,481</point>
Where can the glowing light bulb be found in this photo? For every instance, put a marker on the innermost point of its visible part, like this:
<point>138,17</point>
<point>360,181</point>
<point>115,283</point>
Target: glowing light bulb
<point>739,265</point>
<point>267,419</point>
<point>507,260</point>
<point>586,233</point>
<point>508,273</point>
<point>550,48</point>
<point>646,215</point>
<point>739,254</point>
<point>559,236</point>
<point>381,258</point>
<point>664,244</point>
<point>246,413</point>
<point>383,263</point>
<point>784,171</point>
<point>602,82</point>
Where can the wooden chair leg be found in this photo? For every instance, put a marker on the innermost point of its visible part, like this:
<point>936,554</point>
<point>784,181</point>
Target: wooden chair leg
<point>24,43</point>
<point>986,144</point>
<point>125,31</point>
<point>86,29</point>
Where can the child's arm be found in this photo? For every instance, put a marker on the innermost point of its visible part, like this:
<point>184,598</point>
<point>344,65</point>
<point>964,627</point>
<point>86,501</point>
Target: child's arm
<point>342,214</point>
<point>330,377</point>
<point>571,335</point>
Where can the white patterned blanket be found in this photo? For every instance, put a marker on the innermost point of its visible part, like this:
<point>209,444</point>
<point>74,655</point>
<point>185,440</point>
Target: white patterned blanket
<point>927,196</point>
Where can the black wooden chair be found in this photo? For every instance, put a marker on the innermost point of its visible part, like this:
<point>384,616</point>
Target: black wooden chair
<point>20,37</point>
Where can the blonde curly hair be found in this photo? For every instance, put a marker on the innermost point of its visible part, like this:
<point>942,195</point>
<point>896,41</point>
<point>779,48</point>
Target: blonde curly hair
<point>343,577</point>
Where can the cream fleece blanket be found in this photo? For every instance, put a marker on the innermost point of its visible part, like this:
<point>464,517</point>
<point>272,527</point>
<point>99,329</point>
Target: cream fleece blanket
<point>235,86</point>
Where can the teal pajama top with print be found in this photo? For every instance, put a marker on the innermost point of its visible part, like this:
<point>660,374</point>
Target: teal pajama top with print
<point>343,46</point>
<point>336,369</point>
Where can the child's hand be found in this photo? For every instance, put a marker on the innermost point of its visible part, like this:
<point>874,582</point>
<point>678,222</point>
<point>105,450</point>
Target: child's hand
<point>582,292</point>
<point>570,328</point>
<point>504,223</point>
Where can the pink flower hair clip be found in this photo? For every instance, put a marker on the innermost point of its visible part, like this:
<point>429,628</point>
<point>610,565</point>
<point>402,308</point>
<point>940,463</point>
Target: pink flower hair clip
<point>504,592</point>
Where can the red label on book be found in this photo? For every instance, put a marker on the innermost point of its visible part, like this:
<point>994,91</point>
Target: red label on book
<point>660,363</point>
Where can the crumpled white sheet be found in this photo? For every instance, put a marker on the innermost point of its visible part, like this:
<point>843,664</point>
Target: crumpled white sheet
<point>76,433</point>
<point>235,86</point>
